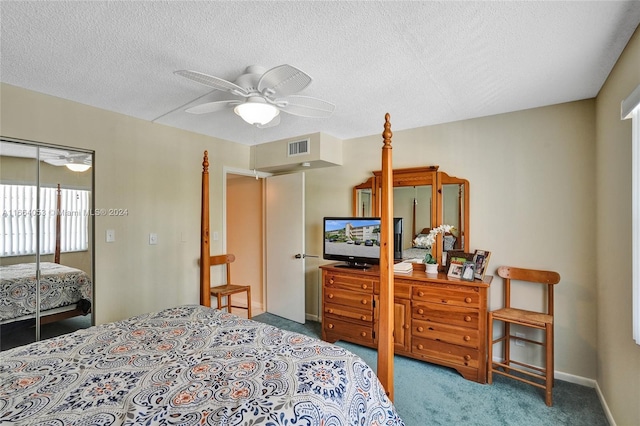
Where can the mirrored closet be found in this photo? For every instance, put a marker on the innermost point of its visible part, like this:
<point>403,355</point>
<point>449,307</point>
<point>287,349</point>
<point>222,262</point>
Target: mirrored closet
<point>46,241</point>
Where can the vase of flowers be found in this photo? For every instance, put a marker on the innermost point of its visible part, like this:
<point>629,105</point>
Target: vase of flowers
<point>428,241</point>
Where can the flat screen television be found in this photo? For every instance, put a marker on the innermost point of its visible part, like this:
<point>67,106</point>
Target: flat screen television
<point>356,240</point>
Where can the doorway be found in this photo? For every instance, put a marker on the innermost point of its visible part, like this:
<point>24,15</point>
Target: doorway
<point>244,233</point>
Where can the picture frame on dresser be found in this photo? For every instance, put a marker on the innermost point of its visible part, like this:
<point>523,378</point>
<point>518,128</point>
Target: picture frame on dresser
<point>481,260</point>
<point>455,270</point>
<point>468,271</point>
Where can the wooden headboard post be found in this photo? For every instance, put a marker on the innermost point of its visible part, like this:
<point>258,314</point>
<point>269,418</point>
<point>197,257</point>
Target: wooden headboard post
<point>385,322</point>
<point>56,256</point>
<point>205,273</point>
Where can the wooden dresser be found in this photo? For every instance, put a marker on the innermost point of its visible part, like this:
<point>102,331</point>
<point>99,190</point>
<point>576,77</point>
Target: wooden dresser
<point>436,319</point>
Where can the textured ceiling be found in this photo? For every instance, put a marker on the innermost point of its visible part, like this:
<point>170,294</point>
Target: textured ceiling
<point>423,62</point>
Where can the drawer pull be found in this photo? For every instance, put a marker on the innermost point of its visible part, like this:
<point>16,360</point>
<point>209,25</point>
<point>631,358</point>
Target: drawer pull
<point>363,301</point>
<point>329,311</point>
<point>467,338</point>
<point>364,286</point>
<point>420,329</point>
<point>420,347</point>
<point>467,357</point>
<point>444,301</point>
<point>406,326</point>
<point>330,296</point>
<point>363,334</point>
<point>330,325</point>
<point>363,317</point>
<point>421,293</point>
<point>331,280</point>
<point>421,311</point>
<point>467,318</point>
<point>467,299</point>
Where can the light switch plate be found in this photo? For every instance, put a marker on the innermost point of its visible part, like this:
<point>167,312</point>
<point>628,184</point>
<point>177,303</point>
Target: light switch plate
<point>110,235</point>
<point>153,239</point>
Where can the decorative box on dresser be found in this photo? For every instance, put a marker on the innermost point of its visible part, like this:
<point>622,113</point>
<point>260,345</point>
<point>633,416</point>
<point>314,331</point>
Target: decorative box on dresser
<point>437,319</point>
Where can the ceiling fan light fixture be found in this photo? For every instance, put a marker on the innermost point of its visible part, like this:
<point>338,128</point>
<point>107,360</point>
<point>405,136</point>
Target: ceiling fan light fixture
<point>78,167</point>
<point>256,111</point>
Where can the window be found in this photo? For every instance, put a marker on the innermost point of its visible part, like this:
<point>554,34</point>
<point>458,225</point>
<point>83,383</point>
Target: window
<point>20,211</point>
<point>631,109</point>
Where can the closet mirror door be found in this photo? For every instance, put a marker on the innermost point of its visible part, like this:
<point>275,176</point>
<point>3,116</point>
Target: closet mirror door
<point>50,234</point>
<point>18,244</point>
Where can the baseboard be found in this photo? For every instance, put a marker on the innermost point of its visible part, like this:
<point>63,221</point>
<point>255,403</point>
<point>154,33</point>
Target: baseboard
<point>579,380</point>
<point>311,317</point>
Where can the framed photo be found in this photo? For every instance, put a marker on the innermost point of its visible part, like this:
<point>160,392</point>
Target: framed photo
<point>455,270</point>
<point>458,256</point>
<point>468,271</point>
<point>481,260</point>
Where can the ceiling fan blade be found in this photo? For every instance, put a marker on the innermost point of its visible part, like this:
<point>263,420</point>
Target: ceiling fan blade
<point>272,123</point>
<point>211,107</point>
<point>306,106</point>
<point>210,81</point>
<point>283,80</point>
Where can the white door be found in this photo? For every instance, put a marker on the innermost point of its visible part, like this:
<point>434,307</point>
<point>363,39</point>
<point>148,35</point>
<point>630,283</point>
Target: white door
<point>285,246</point>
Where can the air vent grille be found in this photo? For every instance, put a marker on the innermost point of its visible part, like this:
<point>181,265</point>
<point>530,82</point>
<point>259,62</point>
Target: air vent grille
<point>298,148</point>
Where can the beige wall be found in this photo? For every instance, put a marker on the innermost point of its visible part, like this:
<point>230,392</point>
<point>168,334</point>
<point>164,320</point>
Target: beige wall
<point>618,355</point>
<point>151,170</point>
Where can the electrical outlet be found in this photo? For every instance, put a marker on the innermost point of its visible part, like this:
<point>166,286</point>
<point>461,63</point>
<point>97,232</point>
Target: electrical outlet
<point>153,239</point>
<point>110,235</point>
<point>518,341</point>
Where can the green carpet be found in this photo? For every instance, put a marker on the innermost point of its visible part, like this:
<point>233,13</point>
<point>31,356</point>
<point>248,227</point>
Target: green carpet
<point>427,394</point>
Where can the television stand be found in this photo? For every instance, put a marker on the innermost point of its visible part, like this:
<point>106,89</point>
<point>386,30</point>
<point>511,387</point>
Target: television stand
<point>354,265</point>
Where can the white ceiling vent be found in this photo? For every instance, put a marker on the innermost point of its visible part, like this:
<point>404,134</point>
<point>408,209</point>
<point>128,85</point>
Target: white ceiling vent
<point>298,148</point>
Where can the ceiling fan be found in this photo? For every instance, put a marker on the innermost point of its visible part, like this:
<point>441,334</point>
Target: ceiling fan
<point>262,94</point>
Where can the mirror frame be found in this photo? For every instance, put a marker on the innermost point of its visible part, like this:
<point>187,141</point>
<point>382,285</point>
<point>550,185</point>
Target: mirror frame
<point>418,176</point>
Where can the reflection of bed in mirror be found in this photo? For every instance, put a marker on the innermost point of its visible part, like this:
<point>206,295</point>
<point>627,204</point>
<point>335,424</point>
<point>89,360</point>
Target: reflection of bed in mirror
<point>415,251</point>
<point>64,292</point>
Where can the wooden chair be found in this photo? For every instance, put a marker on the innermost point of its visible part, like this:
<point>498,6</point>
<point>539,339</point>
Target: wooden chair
<point>541,377</point>
<point>228,289</point>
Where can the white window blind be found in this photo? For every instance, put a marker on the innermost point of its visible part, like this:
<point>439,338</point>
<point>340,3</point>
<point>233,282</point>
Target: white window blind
<point>631,109</point>
<point>20,211</point>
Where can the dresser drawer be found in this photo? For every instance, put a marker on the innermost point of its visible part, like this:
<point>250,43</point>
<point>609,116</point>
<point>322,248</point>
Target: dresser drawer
<point>364,315</point>
<point>448,295</point>
<point>352,332</point>
<point>348,298</point>
<point>434,350</point>
<point>445,333</point>
<point>455,315</point>
<point>349,282</point>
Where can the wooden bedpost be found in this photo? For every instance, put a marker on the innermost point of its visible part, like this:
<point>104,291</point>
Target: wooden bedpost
<point>56,256</point>
<point>205,273</point>
<point>385,322</point>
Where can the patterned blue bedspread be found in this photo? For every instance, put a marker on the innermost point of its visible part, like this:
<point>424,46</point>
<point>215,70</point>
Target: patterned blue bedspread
<point>189,365</point>
<point>59,286</point>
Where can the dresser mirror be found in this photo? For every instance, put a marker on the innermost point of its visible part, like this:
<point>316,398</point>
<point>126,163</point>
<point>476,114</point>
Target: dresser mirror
<point>424,198</point>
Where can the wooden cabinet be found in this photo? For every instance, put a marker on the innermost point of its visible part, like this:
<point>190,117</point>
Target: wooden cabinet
<point>436,319</point>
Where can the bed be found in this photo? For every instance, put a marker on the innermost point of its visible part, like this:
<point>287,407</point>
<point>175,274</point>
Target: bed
<point>64,291</point>
<point>190,365</point>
